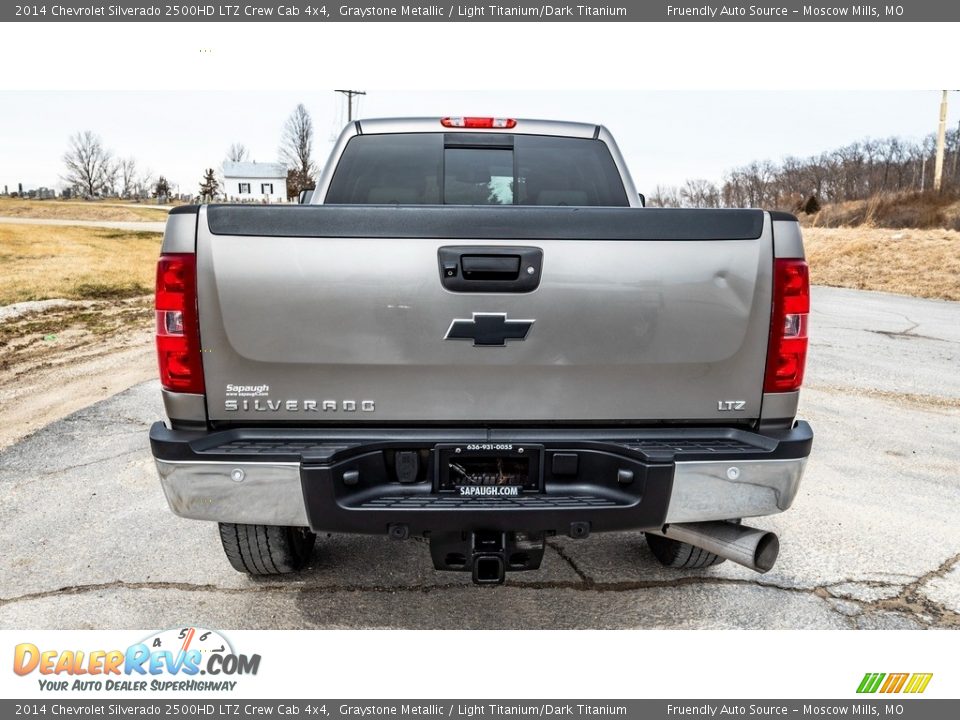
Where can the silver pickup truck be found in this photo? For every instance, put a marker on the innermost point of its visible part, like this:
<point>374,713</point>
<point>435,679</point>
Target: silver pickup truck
<point>474,332</point>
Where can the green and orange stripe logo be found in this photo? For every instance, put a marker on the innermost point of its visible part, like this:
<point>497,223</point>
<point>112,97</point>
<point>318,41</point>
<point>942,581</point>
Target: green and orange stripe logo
<point>894,683</point>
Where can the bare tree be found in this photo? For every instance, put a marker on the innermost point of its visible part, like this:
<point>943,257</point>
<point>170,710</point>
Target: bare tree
<point>665,196</point>
<point>700,194</point>
<point>143,184</point>
<point>89,164</point>
<point>296,149</point>
<point>237,152</point>
<point>853,172</point>
<point>110,180</point>
<point>127,170</point>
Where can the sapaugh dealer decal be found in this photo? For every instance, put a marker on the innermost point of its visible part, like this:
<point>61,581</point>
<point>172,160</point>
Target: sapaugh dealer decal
<point>247,390</point>
<point>167,660</point>
<point>256,398</point>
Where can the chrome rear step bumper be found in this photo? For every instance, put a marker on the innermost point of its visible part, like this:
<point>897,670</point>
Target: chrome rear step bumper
<point>276,477</point>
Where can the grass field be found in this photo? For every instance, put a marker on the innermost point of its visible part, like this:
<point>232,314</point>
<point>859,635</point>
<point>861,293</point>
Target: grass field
<point>929,211</point>
<point>114,211</point>
<point>39,262</point>
<point>923,263</point>
<point>42,262</point>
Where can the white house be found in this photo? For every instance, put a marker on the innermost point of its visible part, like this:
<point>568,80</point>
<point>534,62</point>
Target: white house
<point>254,182</point>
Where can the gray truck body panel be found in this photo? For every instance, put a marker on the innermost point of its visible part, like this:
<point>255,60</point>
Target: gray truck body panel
<point>633,331</point>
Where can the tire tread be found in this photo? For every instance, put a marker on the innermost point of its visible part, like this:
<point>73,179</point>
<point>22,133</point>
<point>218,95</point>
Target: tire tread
<point>680,555</point>
<point>266,549</point>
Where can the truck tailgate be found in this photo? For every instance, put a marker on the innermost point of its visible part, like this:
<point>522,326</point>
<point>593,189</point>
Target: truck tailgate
<point>329,314</point>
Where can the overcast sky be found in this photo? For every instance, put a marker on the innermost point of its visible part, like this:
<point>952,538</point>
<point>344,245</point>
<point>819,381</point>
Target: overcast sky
<point>667,137</point>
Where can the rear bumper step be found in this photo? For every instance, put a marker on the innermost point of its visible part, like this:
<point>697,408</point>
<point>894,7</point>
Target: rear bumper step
<point>608,490</point>
<point>587,480</point>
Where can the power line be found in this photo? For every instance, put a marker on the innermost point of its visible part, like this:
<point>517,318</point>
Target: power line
<point>350,95</point>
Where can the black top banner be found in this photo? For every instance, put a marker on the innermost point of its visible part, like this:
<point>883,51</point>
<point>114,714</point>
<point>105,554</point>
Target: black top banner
<point>507,11</point>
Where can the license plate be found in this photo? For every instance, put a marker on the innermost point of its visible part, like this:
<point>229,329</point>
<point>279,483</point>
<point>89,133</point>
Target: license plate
<point>488,469</point>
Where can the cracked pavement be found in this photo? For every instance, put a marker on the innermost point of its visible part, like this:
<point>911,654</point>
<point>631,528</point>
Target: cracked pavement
<point>871,542</point>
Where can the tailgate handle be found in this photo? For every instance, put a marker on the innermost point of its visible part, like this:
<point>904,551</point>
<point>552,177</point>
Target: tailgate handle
<point>491,269</point>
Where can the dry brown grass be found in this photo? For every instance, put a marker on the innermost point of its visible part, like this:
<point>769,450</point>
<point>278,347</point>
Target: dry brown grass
<point>892,210</point>
<point>40,262</point>
<point>924,263</point>
<point>113,211</point>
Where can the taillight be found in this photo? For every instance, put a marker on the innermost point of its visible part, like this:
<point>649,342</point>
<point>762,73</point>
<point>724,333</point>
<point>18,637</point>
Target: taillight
<point>178,329</point>
<point>787,352</point>
<point>478,123</point>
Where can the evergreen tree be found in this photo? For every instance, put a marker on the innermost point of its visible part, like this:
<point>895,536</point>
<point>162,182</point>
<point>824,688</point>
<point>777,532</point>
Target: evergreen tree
<point>162,188</point>
<point>209,185</point>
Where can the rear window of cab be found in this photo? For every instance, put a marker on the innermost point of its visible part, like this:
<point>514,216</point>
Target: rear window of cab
<point>476,169</point>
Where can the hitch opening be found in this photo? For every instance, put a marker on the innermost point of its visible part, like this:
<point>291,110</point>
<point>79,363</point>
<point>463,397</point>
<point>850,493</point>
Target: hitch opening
<point>488,570</point>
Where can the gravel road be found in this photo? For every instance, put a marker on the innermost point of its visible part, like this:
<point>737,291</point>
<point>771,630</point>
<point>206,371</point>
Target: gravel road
<point>871,542</point>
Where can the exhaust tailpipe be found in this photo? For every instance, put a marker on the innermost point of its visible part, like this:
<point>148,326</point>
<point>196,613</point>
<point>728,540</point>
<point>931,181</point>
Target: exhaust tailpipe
<point>747,546</point>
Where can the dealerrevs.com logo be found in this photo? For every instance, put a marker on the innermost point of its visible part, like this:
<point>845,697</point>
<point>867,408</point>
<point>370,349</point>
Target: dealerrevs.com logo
<point>180,659</point>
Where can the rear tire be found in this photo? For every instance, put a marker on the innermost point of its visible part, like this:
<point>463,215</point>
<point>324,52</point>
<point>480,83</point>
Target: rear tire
<point>266,549</point>
<point>680,555</point>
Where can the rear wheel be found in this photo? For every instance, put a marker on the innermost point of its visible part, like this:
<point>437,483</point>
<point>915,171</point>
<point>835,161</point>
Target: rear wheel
<point>681,555</point>
<point>266,549</point>
<point>676,554</point>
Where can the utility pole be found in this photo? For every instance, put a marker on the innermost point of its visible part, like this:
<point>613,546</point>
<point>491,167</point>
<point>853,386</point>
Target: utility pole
<point>941,141</point>
<point>350,95</point>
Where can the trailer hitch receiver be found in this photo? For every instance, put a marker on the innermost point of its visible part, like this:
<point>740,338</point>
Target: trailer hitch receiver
<point>487,555</point>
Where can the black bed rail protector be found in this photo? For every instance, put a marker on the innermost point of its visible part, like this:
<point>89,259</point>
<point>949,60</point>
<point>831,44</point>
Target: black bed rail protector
<point>488,223</point>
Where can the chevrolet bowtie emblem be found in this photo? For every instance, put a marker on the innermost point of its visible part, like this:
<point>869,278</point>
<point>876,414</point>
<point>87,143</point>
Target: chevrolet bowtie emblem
<point>490,329</point>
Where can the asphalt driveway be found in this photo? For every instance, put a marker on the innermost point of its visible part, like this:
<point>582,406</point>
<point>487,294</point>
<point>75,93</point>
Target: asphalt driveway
<point>872,541</point>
